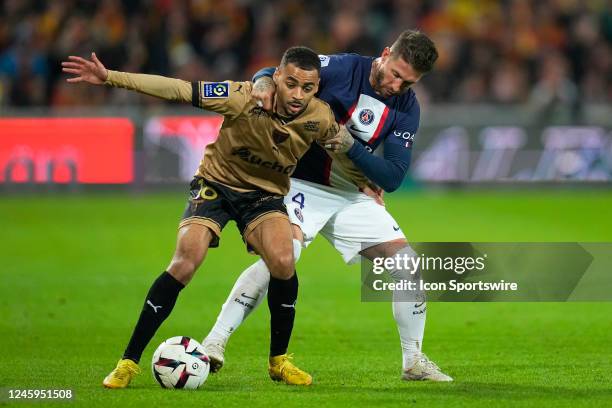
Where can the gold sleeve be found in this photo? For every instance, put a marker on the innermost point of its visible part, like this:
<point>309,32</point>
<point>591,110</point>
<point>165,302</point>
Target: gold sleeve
<point>227,98</point>
<point>356,175</point>
<point>155,85</point>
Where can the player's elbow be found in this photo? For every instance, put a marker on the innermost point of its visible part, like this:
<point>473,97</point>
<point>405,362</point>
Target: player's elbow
<point>391,186</point>
<point>394,180</point>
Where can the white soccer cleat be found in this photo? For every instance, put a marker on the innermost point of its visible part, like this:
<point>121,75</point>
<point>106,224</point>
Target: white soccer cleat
<point>424,369</point>
<point>215,351</point>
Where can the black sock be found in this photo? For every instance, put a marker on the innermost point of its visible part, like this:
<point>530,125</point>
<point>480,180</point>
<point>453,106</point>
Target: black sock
<point>281,292</point>
<point>158,305</point>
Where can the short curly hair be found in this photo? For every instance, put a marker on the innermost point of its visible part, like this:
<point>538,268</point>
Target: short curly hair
<point>301,57</point>
<point>416,49</point>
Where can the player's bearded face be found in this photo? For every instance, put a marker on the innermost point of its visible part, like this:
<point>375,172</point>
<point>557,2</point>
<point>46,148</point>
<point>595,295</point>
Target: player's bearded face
<point>391,75</point>
<point>295,87</point>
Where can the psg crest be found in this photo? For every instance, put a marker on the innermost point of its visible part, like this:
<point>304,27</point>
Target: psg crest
<point>366,116</point>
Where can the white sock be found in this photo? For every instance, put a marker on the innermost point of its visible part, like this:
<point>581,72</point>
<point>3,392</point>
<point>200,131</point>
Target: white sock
<point>248,292</point>
<point>409,315</point>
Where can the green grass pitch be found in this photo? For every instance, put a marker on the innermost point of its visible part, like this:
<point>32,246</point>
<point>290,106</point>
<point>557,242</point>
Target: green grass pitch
<point>75,270</point>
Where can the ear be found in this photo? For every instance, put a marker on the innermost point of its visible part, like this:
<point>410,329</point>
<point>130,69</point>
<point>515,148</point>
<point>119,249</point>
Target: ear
<point>276,75</point>
<point>316,87</point>
<point>386,52</point>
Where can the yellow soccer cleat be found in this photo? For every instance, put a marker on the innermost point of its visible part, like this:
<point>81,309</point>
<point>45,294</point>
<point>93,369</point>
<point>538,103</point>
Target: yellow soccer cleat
<point>281,369</point>
<point>121,376</point>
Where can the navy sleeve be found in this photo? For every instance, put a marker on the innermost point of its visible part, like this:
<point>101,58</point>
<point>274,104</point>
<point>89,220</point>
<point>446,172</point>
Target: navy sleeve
<point>333,67</point>
<point>387,172</point>
<point>269,71</point>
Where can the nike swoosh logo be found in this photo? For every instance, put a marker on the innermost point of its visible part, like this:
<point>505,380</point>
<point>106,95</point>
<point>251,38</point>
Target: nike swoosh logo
<point>396,228</point>
<point>354,129</point>
<point>248,297</point>
<point>419,304</point>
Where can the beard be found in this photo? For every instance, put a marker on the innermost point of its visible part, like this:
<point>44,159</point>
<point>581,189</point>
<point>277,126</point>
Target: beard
<point>377,77</point>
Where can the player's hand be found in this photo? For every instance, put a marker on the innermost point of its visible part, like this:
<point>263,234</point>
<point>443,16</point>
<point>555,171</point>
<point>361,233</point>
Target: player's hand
<point>263,92</point>
<point>85,71</point>
<point>376,193</point>
<point>341,143</point>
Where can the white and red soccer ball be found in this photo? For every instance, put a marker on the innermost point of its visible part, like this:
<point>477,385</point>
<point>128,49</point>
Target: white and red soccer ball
<point>180,362</point>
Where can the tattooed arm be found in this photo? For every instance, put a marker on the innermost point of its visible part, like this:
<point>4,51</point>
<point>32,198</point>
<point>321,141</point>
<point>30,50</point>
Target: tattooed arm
<point>264,88</point>
<point>341,143</point>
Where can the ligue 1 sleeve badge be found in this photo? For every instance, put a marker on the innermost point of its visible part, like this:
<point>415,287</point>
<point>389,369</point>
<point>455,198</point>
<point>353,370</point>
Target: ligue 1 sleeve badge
<point>216,89</point>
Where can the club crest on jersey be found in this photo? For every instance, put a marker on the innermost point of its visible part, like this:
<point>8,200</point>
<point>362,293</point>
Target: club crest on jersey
<point>298,214</point>
<point>215,89</point>
<point>366,116</point>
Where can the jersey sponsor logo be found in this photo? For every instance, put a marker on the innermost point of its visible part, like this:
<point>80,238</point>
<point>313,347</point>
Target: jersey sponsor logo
<point>407,136</point>
<point>366,116</point>
<point>215,89</point>
<point>245,154</point>
<point>404,135</point>
<point>324,60</point>
<point>279,137</point>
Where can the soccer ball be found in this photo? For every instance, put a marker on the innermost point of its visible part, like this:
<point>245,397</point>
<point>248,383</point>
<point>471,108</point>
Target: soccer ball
<point>180,362</point>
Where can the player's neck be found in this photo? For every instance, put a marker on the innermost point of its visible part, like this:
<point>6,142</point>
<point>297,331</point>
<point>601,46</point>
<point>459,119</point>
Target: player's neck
<point>373,72</point>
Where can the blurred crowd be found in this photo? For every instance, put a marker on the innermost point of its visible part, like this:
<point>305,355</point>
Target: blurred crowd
<point>513,51</point>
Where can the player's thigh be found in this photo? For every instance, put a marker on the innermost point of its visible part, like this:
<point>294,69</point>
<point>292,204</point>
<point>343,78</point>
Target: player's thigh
<point>362,224</point>
<point>200,228</point>
<point>272,240</point>
<point>310,207</point>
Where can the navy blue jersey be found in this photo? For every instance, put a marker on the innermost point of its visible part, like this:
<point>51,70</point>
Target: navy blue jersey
<point>383,128</point>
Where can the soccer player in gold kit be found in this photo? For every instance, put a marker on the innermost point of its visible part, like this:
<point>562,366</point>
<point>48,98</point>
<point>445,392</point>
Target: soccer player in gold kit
<point>243,177</point>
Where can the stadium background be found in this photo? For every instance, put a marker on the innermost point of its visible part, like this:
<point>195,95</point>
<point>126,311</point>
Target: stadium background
<point>515,145</point>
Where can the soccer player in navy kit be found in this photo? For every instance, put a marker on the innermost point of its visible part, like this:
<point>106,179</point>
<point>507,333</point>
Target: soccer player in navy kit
<point>373,98</point>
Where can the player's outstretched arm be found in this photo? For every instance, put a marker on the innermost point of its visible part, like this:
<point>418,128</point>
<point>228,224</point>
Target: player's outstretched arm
<point>93,72</point>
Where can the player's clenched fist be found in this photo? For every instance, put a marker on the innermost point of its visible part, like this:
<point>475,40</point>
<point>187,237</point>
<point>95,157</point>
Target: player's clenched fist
<point>85,71</point>
<point>263,92</point>
<point>341,143</point>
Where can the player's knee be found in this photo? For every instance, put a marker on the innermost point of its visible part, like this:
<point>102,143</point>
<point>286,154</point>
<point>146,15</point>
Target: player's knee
<point>183,269</point>
<point>406,273</point>
<point>282,265</point>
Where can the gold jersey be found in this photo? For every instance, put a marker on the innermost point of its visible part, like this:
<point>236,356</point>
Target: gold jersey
<point>254,149</point>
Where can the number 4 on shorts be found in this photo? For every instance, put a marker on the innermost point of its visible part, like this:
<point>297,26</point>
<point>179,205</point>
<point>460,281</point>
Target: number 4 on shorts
<point>299,200</point>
